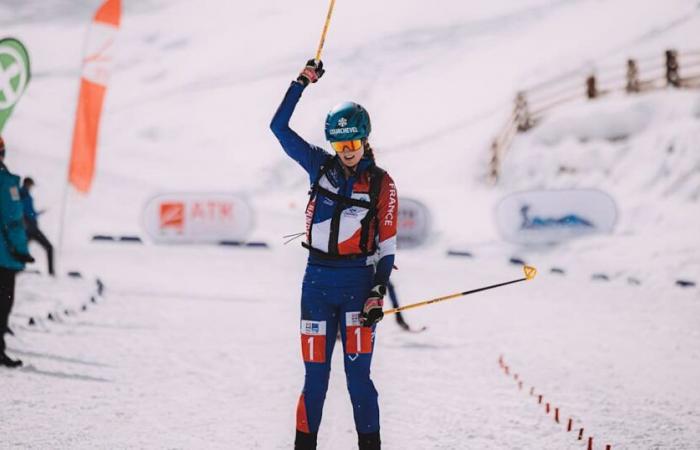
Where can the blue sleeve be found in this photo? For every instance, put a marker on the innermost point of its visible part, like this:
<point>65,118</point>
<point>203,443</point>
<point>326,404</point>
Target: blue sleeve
<point>383,271</point>
<point>28,205</point>
<point>308,156</point>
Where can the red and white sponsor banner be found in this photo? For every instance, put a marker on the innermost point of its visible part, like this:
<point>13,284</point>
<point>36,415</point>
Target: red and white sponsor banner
<point>413,224</point>
<point>551,216</point>
<point>358,339</point>
<point>313,340</point>
<point>197,218</point>
<point>97,68</point>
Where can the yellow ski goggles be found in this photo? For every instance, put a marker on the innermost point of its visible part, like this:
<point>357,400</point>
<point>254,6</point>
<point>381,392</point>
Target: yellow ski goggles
<point>353,145</point>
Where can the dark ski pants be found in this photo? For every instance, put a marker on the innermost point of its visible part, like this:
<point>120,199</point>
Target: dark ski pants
<point>331,300</point>
<point>7,298</point>
<point>35,234</point>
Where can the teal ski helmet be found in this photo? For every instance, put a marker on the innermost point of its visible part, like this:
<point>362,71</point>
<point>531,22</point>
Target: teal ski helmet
<point>347,121</point>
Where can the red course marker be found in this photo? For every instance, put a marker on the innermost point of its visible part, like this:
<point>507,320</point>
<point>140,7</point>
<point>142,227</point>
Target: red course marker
<point>548,406</point>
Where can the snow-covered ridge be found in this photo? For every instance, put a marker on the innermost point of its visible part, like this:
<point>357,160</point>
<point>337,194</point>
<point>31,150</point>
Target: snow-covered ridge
<point>629,144</point>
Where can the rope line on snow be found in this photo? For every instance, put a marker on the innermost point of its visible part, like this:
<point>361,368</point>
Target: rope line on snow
<point>548,405</point>
<point>55,314</point>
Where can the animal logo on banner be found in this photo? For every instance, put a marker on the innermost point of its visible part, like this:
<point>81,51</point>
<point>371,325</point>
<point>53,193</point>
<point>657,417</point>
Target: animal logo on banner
<point>551,216</point>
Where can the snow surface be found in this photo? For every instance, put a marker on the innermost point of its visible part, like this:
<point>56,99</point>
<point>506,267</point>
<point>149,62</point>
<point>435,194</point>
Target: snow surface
<point>197,347</point>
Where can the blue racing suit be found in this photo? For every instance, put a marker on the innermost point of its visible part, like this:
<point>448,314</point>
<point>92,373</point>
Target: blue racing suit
<point>335,288</point>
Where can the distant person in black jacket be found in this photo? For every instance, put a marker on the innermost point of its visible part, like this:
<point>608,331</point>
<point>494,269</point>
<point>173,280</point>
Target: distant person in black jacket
<point>31,222</point>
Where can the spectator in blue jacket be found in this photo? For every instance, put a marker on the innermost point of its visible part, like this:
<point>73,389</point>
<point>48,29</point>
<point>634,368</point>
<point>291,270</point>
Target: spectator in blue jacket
<point>13,249</point>
<point>31,222</point>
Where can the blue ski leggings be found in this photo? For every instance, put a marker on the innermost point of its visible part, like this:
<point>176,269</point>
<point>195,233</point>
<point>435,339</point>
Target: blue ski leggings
<point>331,300</point>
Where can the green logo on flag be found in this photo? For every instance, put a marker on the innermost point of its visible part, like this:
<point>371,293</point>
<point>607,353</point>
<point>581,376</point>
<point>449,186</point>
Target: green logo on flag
<point>14,76</point>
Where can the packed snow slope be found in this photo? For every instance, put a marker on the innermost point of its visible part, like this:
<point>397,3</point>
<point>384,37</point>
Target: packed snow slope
<point>197,347</point>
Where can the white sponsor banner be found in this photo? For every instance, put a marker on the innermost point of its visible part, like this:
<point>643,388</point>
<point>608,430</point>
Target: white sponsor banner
<point>197,218</point>
<point>551,216</point>
<point>414,223</point>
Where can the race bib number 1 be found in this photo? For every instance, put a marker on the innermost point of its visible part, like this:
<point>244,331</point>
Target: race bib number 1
<point>358,339</point>
<point>313,341</point>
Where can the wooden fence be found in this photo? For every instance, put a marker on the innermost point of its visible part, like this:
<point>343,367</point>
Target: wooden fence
<point>638,75</point>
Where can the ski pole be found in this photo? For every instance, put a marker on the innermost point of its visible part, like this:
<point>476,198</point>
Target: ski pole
<point>325,30</point>
<point>529,271</point>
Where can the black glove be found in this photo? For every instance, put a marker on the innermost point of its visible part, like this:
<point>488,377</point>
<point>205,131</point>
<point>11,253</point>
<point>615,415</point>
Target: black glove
<point>372,311</point>
<point>311,73</point>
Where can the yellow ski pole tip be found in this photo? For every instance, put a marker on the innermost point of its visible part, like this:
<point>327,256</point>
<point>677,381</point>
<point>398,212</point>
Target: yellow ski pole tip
<point>530,272</point>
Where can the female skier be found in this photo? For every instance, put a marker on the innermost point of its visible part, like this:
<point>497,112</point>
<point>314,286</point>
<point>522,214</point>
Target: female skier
<point>351,238</point>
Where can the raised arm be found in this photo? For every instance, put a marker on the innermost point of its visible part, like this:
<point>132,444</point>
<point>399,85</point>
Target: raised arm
<point>308,156</point>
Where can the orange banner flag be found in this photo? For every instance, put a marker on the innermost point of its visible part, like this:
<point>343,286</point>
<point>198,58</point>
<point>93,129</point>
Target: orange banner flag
<point>97,67</point>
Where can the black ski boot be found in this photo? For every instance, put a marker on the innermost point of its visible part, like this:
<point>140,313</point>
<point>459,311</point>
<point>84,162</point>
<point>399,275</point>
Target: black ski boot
<point>305,441</point>
<point>369,441</point>
<point>9,362</point>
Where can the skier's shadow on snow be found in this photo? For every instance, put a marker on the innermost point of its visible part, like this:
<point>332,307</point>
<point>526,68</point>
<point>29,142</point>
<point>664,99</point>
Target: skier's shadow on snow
<point>418,346</point>
<point>68,376</point>
<point>58,358</point>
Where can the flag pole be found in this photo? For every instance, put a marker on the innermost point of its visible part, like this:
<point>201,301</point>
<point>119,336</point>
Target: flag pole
<point>62,222</point>
<point>95,71</point>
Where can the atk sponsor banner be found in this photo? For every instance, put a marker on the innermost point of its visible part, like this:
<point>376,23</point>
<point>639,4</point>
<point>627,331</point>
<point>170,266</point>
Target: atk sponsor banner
<point>197,218</point>
<point>414,223</point>
<point>14,76</point>
<point>551,216</point>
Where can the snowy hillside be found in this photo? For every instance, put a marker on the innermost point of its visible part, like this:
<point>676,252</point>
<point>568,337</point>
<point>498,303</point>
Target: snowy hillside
<point>197,347</point>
